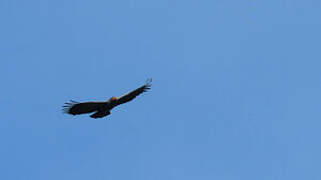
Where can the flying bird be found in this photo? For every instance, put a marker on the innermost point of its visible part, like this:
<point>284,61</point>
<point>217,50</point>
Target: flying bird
<point>102,109</point>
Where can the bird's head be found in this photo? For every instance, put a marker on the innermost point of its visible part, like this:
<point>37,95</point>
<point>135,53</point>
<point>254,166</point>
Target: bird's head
<point>113,99</point>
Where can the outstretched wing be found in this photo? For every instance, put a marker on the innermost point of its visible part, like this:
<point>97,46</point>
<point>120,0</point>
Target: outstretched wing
<point>131,95</point>
<point>75,108</point>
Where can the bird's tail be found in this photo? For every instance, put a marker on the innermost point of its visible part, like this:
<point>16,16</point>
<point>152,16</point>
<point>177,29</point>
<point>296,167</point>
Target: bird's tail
<point>100,114</point>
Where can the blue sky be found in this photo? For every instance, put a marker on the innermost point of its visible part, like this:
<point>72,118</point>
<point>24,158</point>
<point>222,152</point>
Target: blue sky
<point>236,89</point>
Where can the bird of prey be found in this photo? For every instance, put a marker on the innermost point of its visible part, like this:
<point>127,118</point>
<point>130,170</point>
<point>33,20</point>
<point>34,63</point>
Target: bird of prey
<point>102,109</point>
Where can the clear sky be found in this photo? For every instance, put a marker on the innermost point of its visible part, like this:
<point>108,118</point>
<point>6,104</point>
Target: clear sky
<point>236,89</point>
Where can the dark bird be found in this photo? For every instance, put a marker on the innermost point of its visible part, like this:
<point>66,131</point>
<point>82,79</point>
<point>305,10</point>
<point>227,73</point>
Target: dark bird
<point>102,109</point>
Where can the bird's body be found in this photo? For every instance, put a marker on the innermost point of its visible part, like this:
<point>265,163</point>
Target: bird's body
<point>102,109</point>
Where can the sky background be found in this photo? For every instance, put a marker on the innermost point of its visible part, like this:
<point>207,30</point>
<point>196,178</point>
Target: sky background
<point>236,89</point>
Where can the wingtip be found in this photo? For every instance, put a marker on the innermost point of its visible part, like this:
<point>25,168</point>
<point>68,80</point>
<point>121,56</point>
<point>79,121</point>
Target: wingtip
<point>148,84</point>
<point>67,106</point>
<point>149,80</point>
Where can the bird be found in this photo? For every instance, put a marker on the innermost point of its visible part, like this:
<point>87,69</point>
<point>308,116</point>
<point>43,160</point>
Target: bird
<point>103,108</point>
